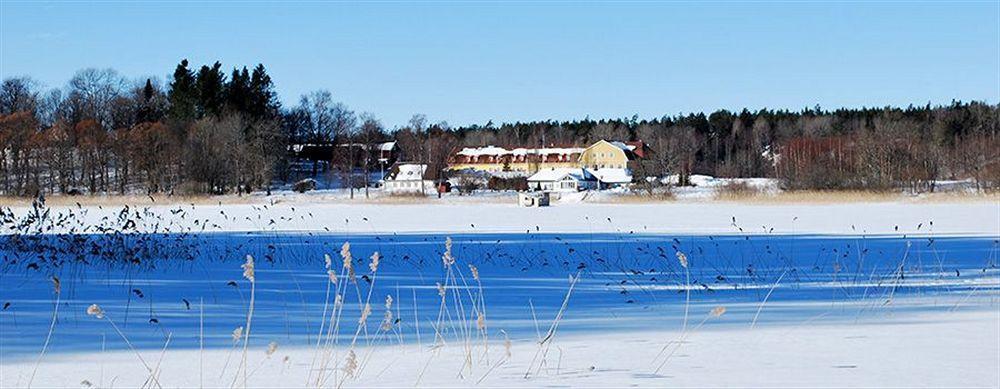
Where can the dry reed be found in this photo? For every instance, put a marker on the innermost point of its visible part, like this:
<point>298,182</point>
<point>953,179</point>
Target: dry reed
<point>546,342</point>
<point>57,289</point>
<point>713,314</point>
<point>96,311</point>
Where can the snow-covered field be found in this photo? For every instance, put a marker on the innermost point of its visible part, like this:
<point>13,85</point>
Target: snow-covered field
<point>501,214</point>
<point>958,349</point>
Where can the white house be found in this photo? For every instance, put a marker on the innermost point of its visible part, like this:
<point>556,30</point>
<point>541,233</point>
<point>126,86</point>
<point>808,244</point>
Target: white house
<point>609,178</point>
<point>562,180</point>
<point>408,178</point>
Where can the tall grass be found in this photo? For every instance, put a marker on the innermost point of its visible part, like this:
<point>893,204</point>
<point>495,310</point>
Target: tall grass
<point>760,307</point>
<point>96,311</point>
<point>249,274</point>
<point>331,281</point>
<point>683,260</point>
<point>57,289</point>
<point>714,313</point>
<point>461,315</point>
<point>737,190</point>
<point>546,342</point>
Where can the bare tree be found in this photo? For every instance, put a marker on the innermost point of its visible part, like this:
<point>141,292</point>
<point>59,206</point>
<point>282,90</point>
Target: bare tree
<point>16,144</point>
<point>441,143</point>
<point>153,153</point>
<point>978,157</point>
<point>411,139</point>
<point>370,134</point>
<point>18,94</point>
<point>320,113</point>
<point>608,131</point>
<point>94,94</point>
<point>674,150</point>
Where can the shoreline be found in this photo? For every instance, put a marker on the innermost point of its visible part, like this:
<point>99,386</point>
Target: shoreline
<point>684,195</point>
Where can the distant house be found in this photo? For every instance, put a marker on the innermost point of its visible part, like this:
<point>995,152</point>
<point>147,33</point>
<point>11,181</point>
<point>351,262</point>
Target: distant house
<point>311,159</point>
<point>613,155</point>
<point>610,178</point>
<point>386,152</point>
<point>408,178</point>
<point>612,162</point>
<point>380,154</point>
<point>526,161</point>
<point>523,160</point>
<point>311,151</point>
<point>562,180</point>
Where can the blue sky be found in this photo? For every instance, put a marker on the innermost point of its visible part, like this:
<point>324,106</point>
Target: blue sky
<point>470,62</point>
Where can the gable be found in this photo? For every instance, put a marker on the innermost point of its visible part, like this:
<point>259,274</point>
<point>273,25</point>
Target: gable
<point>603,151</point>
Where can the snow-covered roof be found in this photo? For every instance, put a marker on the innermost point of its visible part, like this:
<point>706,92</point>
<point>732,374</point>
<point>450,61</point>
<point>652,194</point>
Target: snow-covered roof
<point>557,174</point>
<point>622,145</point>
<point>613,176</point>
<point>381,146</point>
<point>608,176</point>
<point>498,151</point>
<point>407,171</point>
<point>387,146</point>
<point>298,147</point>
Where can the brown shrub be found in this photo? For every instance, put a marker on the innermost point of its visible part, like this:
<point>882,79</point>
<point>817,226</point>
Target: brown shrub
<point>737,190</point>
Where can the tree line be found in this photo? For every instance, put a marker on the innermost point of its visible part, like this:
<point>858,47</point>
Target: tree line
<point>862,148</point>
<point>215,131</point>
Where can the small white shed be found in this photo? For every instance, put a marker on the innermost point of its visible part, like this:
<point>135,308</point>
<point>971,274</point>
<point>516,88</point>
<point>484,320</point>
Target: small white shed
<point>534,199</point>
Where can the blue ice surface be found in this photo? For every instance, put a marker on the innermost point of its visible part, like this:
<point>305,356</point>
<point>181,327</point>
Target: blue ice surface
<point>183,285</point>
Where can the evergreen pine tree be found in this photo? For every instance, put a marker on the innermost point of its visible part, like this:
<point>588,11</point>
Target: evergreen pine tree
<point>238,91</point>
<point>183,96</point>
<point>145,113</point>
<point>211,90</point>
<point>263,99</point>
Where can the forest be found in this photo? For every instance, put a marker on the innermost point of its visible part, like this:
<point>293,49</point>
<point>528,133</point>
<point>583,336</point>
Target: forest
<point>212,130</point>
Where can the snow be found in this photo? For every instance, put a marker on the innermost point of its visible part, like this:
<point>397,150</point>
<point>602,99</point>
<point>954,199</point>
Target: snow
<point>622,145</point>
<point>498,212</point>
<point>613,176</point>
<point>556,174</point>
<point>387,146</point>
<point>520,151</point>
<point>943,349</point>
<point>486,150</point>
<point>407,172</point>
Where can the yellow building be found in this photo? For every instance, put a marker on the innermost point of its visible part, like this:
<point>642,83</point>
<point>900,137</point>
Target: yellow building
<point>600,155</point>
<point>610,155</point>
<point>493,159</point>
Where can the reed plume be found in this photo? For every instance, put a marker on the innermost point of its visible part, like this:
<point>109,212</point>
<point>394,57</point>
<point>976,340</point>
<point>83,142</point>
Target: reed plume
<point>57,288</point>
<point>96,311</point>
<point>249,274</point>
<point>715,313</point>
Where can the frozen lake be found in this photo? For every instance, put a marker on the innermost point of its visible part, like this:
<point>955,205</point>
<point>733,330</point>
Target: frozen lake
<point>155,285</point>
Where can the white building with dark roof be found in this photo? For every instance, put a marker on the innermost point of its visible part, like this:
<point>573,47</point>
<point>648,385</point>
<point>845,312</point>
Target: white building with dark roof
<point>408,178</point>
<point>562,180</point>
